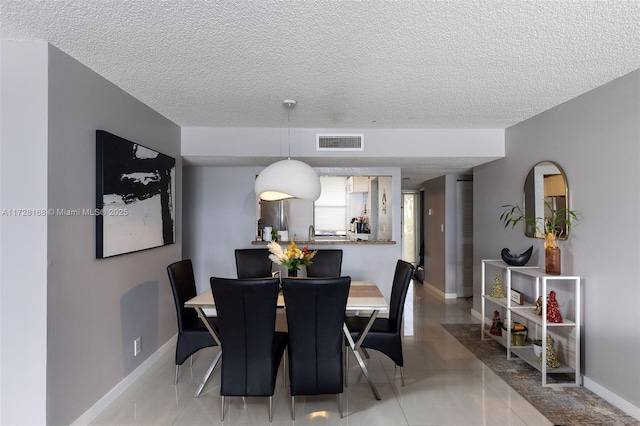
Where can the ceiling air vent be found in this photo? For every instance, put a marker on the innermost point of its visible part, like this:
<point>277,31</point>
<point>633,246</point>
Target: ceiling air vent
<point>340,142</point>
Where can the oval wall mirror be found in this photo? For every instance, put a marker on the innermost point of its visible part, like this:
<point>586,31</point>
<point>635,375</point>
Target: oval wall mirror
<point>545,184</point>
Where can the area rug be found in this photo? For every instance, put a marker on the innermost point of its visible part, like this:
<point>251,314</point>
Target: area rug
<point>561,405</point>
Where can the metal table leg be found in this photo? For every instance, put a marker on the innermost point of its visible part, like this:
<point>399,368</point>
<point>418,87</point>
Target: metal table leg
<point>355,347</point>
<point>212,366</point>
<point>208,374</point>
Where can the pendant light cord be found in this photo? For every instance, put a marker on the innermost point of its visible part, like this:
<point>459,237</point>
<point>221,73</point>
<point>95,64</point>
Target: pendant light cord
<point>289,103</point>
<point>289,131</point>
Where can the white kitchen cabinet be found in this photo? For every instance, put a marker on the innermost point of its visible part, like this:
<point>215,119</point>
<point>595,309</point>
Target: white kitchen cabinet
<point>524,314</point>
<point>357,184</point>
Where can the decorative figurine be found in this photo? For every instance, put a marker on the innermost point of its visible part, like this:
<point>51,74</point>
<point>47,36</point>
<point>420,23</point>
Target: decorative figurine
<point>553,310</point>
<point>552,356</point>
<point>516,259</point>
<point>538,307</point>
<point>497,290</point>
<point>496,326</point>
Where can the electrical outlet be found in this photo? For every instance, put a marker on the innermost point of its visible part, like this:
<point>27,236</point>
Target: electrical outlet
<point>136,347</point>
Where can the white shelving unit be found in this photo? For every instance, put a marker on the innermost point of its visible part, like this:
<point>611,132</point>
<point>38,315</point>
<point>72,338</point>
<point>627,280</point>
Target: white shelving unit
<point>525,311</point>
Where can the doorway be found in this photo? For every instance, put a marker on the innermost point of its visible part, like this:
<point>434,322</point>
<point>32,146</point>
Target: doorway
<point>411,227</point>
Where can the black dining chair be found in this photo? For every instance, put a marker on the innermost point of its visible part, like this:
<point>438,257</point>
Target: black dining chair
<point>192,332</point>
<point>251,348</point>
<point>325,264</point>
<point>385,334</point>
<point>315,317</point>
<point>253,263</point>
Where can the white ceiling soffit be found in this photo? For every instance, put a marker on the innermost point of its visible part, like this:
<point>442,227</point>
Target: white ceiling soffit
<point>415,170</point>
<point>349,65</point>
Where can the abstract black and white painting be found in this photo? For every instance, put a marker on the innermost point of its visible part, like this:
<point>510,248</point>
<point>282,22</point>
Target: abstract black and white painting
<point>135,196</point>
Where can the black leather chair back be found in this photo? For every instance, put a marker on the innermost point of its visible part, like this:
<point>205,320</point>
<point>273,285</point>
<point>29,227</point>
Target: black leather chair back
<point>315,316</point>
<point>251,349</point>
<point>253,263</point>
<point>192,332</point>
<point>401,280</point>
<point>326,264</point>
<point>183,285</point>
<point>385,334</point>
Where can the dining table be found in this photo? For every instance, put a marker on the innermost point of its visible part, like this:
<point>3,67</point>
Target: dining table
<point>364,298</point>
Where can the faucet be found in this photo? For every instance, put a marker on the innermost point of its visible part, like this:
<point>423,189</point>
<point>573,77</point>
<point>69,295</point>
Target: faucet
<point>312,233</point>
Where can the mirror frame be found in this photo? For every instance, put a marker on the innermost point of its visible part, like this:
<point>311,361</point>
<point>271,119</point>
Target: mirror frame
<point>534,193</point>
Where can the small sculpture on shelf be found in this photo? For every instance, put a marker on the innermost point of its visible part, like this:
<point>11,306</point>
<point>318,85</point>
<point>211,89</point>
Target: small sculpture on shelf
<point>497,290</point>
<point>496,326</point>
<point>538,306</point>
<point>516,259</point>
<point>552,356</point>
<point>553,310</point>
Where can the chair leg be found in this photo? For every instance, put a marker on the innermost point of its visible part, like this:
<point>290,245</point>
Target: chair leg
<point>364,351</point>
<point>270,408</point>
<point>293,407</point>
<point>346,365</point>
<point>402,375</point>
<point>176,380</point>
<point>222,409</point>
<point>340,405</point>
<point>191,361</point>
<point>284,370</point>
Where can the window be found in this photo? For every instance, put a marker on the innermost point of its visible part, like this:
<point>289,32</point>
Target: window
<point>330,210</point>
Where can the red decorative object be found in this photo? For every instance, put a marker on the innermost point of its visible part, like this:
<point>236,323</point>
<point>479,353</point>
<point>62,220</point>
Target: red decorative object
<point>553,310</point>
<point>496,326</point>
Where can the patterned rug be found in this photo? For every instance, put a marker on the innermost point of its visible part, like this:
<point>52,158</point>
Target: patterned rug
<point>562,406</point>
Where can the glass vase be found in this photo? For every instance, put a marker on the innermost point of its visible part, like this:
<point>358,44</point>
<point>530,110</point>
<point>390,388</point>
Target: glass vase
<point>292,273</point>
<point>552,260</point>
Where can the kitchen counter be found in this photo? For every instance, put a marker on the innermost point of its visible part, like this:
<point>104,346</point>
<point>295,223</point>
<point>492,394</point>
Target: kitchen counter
<point>324,241</point>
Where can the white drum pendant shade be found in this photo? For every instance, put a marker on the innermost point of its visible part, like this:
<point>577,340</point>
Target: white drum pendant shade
<point>288,179</point>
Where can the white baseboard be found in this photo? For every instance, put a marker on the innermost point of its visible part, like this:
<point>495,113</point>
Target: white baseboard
<point>594,387</point>
<point>97,408</point>
<point>477,315</point>
<point>612,398</point>
<point>440,292</point>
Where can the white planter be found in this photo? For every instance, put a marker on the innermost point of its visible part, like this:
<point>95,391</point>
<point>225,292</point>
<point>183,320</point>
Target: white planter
<point>537,349</point>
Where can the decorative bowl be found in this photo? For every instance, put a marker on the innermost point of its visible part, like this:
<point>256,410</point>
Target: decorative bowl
<point>516,259</point>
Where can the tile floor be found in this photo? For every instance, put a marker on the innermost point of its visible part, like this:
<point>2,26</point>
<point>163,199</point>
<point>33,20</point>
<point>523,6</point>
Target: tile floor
<point>444,385</point>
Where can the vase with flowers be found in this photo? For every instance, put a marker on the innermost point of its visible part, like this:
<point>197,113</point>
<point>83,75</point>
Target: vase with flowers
<point>292,258</point>
<point>555,225</point>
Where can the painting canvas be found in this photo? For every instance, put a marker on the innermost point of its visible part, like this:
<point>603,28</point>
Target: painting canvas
<point>135,197</point>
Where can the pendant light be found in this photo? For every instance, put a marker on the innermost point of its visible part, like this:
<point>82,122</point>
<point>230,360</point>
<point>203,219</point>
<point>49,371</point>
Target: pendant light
<point>288,178</point>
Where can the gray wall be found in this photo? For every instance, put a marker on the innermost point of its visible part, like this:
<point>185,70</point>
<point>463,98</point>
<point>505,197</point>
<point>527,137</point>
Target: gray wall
<point>442,257</point>
<point>595,138</point>
<point>220,216</point>
<point>94,308</point>
<point>434,237</point>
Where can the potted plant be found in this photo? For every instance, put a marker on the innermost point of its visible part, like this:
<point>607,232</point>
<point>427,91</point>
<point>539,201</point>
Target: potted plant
<point>550,228</point>
<point>537,347</point>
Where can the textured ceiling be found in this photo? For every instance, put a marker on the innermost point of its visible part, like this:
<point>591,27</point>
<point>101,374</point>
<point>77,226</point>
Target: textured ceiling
<point>366,64</point>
